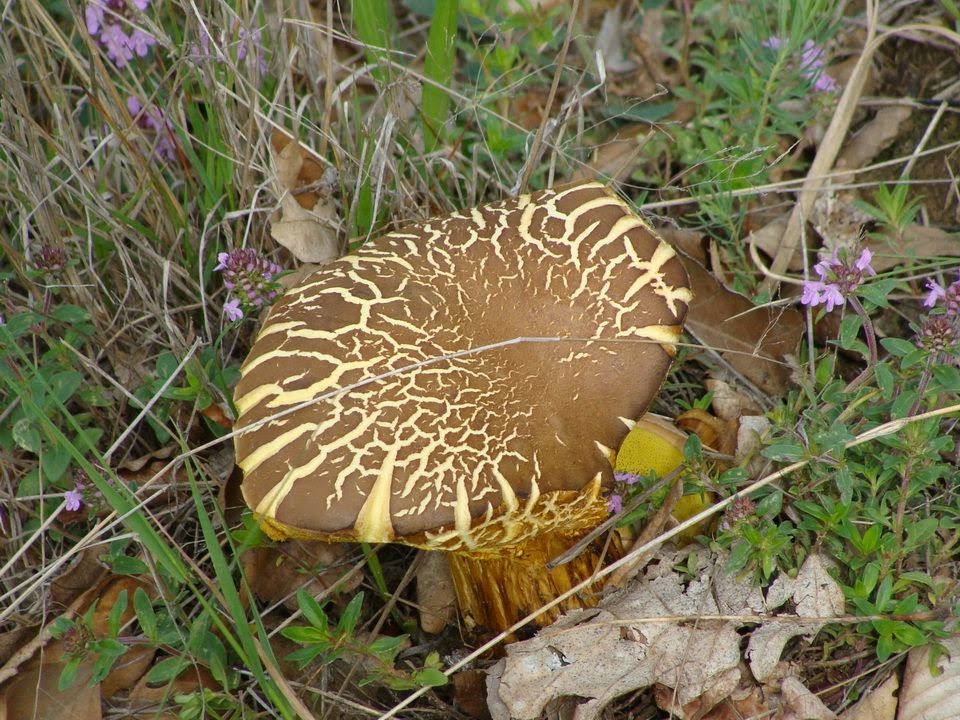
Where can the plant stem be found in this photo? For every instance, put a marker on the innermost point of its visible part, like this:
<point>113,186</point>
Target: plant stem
<point>871,337</point>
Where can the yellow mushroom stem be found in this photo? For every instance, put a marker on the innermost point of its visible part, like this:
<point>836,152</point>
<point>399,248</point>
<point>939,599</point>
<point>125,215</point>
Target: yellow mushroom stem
<point>495,590</point>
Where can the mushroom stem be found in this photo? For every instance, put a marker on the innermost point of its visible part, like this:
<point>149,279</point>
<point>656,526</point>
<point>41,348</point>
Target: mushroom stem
<point>495,590</point>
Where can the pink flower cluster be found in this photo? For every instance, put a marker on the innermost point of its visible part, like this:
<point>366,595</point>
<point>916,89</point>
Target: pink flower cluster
<point>615,501</point>
<point>949,294</point>
<point>837,280</point>
<point>111,22</point>
<point>153,120</point>
<point>811,63</point>
<point>250,277</point>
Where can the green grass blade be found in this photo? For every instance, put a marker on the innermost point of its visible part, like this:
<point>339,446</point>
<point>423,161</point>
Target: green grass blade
<point>243,642</point>
<point>438,69</point>
<point>375,25</point>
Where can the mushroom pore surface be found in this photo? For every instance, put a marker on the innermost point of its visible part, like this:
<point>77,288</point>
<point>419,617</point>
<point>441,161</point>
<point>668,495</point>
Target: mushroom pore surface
<point>357,424</point>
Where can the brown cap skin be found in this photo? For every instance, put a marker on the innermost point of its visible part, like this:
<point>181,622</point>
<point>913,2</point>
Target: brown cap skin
<point>479,450</point>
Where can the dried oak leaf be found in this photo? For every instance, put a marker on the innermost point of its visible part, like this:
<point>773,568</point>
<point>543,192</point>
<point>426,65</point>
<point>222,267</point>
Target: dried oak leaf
<point>435,592</point>
<point>879,704</point>
<point>815,595</point>
<point>35,693</point>
<point>928,697</point>
<point>308,225</point>
<point>275,573</point>
<point>754,340</point>
<point>625,644</point>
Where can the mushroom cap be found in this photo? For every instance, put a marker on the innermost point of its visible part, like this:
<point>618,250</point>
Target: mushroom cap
<point>384,402</point>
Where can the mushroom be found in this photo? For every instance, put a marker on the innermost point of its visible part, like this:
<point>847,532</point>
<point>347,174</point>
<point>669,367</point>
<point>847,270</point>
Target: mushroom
<point>458,385</point>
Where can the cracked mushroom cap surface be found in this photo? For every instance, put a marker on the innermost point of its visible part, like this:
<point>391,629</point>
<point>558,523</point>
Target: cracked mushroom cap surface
<point>383,399</point>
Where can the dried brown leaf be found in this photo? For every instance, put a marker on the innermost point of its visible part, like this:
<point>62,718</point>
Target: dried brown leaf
<point>310,235</point>
<point>276,573</point>
<point>873,138</point>
<point>798,703</point>
<point>614,159</point>
<point>435,592</point>
<point>880,704</point>
<point>309,224</point>
<point>754,340</point>
<point>609,43</point>
<point>925,696</point>
<point>596,655</point>
<point>34,693</point>
<point>815,595</point>
<point>728,402</point>
<point>917,241</point>
<point>83,572</point>
<point>769,236</point>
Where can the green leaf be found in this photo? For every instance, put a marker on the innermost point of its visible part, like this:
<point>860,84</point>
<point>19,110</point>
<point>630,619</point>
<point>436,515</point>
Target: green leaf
<point>54,461</point>
<point>785,451</point>
<point>351,615</point>
<point>868,579</point>
<point>871,539</point>
<point>386,647</point>
<point>921,531</point>
<point>885,648</point>
<point>876,292</point>
<point>898,347</point>
<point>375,24</point>
<point>20,324</point>
<point>770,505</point>
<point>26,435</point>
<point>65,384</point>
<point>908,634</point>
<point>305,656</point>
<point>126,565</point>
<point>948,377</point>
<point>907,605</point>
<point>849,330</point>
<point>116,613</point>
<point>883,594</point>
<point>884,376</point>
<point>739,555</point>
<point>312,611</point>
<point>146,615</point>
<point>430,677</point>
<point>167,670</point>
<point>307,635</point>
<point>69,673</point>
<point>69,314</point>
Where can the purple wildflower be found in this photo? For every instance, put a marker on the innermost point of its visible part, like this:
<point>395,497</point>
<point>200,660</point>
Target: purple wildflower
<point>112,23</point>
<point>937,292</point>
<point>153,120</point>
<point>824,83</point>
<point>838,279</point>
<point>50,259</point>
<point>937,334</point>
<point>615,504</point>
<point>810,65</point>
<point>626,478</point>
<point>949,294</point>
<point>232,310</point>
<point>250,278</point>
<point>812,57</point>
<point>74,499</point>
